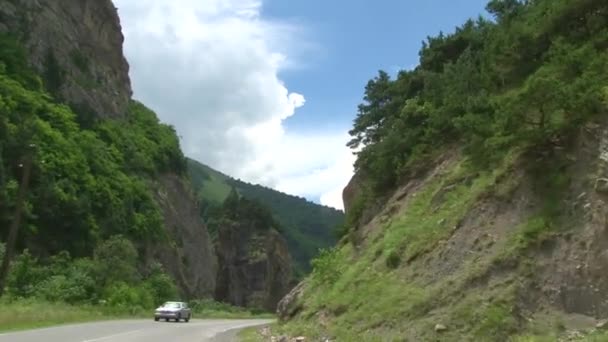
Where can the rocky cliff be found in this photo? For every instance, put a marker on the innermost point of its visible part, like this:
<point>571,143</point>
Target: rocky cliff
<point>254,266</point>
<point>189,258</point>
<point>76,46</point>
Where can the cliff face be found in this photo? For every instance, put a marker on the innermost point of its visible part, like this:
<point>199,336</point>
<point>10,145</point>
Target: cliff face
<point>254,266</point>
<point>189,257</point>
<point>76,46</point>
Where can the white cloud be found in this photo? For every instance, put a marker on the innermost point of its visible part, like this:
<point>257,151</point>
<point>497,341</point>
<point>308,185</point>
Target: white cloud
<point>210,68</point>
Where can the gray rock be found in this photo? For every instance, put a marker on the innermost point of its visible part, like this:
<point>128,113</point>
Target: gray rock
<point>601,185</point>
<point>254,266</point>
<point>440,328</point>
<point>289,306</point>
<point>84,38</point>
<point>181,220</point>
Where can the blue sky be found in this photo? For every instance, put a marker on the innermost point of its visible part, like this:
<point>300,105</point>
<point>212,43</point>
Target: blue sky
<point>266,90</point>
<point>356,39</point>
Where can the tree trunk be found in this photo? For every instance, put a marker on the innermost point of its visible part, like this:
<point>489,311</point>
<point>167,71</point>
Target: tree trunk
<point>14,229</point>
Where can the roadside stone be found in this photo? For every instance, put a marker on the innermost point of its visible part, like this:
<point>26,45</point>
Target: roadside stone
<point>291,304</point>
<point>440,328</point>
<point>300,339</point>
<point>601,185</point>
<point>283,339</point>
<point>603,324</point>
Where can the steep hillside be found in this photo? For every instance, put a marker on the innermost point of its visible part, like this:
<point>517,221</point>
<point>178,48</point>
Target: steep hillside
<point>106,175</point>
<point>306,226</point>
<point>478,212</point>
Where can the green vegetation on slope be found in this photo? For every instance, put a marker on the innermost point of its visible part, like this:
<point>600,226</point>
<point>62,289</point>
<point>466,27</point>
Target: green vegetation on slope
<point>86,184</point>
<point>212,186</point>
<point>343,283</point>
<point>524,79</point>
<point>111,275</point>
<point>306,226</point>
<point>510,90</point>
<point>89,205</point>
<point>237,208</point>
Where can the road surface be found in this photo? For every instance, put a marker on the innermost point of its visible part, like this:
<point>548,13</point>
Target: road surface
<point>197,330</point>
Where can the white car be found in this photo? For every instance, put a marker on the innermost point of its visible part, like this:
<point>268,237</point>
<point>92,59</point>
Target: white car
<point>173,310</point>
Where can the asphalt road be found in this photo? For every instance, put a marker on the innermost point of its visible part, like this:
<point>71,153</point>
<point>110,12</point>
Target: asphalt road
<point>197,330</point>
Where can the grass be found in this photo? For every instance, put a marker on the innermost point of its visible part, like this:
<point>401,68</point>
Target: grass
<point>436,209</point>
<point>30,314</point>
<point>250,335</point>
<point>533,231</point>
<point>368,298</point>
<point>596,336</point>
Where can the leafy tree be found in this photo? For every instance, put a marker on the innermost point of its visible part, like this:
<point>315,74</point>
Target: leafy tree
<point>116,259</point>
<point>526,80</point>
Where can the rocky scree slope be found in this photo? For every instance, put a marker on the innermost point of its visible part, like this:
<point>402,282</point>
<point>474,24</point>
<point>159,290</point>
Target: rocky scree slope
<point>75,46</point>
<point>493,226</point>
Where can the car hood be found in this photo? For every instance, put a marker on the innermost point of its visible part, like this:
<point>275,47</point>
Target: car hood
<point>162,308</point>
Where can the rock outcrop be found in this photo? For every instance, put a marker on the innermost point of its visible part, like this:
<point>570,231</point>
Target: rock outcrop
<point>291,304</point>
<point>254,266</point>
<point>76,46</point>
<point>189,257</point>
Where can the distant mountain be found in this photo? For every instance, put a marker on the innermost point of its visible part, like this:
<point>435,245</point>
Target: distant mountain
<point>307,226</point>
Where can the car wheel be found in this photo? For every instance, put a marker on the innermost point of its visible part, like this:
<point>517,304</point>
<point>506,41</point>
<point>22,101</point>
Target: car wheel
<point>187,319</point>
<point>166,320</point>
<point>178,317</point>
<point>156,319</point>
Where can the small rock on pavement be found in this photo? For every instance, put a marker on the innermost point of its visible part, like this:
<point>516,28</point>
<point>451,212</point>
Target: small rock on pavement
<point>440,328</point>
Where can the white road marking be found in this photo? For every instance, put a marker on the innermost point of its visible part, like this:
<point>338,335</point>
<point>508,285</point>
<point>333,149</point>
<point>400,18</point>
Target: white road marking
<point>112,336</point>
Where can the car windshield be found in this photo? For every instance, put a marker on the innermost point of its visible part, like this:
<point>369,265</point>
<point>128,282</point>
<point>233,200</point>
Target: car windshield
<point>171,305</point>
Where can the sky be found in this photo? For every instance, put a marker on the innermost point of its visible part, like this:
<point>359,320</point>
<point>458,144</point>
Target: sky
<point>267,90</point>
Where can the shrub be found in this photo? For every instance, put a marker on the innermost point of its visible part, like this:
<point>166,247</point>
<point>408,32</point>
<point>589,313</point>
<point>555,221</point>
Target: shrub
<point>116,259</point>
<point>327,266</point>
<point>135,298</point>
<point>161,285</point>
<point>393,259</point>
<point>25,272</point>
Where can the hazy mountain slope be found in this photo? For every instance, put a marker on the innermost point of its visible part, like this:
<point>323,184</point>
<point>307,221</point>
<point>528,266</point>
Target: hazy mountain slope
<point>307,226</point>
